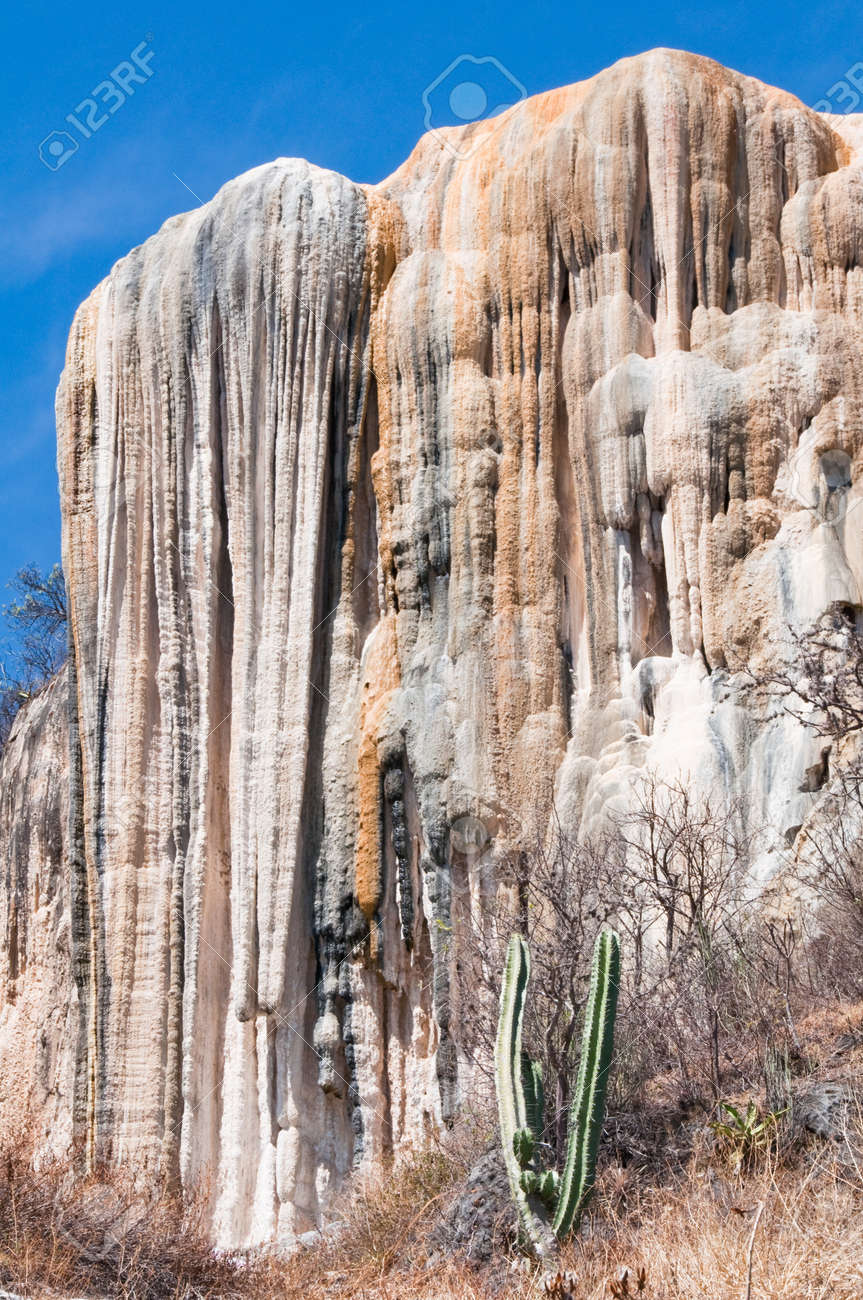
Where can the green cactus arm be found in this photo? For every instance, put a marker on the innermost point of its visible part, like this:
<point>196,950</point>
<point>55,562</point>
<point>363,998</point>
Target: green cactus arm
<point>588,1107</point>
<point>512,1109</point>
<point>507,1053</point>
<point>534,1095</point>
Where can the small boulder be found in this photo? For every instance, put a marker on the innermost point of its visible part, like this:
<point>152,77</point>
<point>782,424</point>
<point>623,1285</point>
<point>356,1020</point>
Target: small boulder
<point>480,1222</point>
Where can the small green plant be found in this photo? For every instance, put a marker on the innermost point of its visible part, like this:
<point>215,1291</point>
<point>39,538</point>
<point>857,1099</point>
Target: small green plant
<point>744,1135</point>
<point>550,1204</point>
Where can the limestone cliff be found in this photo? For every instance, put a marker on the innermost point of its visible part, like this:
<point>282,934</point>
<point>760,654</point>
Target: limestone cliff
<point>39,1021</point>
<point>387,506</point>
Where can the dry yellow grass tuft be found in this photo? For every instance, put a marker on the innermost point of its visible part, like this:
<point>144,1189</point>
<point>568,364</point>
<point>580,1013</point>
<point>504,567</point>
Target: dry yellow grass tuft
<point>107,1234</point>
<point>693,1238</point>
<point>385,1230</point>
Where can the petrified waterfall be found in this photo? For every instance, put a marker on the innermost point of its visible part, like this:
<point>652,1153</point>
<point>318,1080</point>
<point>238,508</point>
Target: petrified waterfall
<point>383,507</point>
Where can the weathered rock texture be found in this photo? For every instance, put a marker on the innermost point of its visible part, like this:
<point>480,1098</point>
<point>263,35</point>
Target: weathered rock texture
<point>39,1020</point>
<point>387,506</point>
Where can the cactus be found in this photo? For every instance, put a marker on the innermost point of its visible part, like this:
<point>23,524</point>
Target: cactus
<point>539,1193</point>
<point>518,1137</point>
<point>588,1107</point>
<point>534,1095</point>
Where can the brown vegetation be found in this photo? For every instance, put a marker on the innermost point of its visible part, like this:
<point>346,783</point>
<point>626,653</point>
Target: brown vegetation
<point>63,1234</point>
<point>684,1235</point>
<point>679,1231</point>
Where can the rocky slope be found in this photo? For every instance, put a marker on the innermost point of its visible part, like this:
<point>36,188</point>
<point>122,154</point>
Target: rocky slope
<point>391,515</point>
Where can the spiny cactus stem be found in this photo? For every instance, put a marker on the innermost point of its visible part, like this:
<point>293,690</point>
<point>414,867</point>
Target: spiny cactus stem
<point>515,1131</point>
<point>588,1108</point>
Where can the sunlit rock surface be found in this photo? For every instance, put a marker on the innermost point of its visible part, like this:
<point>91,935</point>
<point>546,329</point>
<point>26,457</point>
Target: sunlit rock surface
<point>39,1021</point>
<point>386,507</point>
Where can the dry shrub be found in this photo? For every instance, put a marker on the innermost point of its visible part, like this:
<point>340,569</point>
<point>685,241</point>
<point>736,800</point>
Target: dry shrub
<point>685,1230</point>
<point>710,987</point>
<point>62,1234</point>
<point>690,1233</point>
<point>690,1237</point>
<point>386,1222</point>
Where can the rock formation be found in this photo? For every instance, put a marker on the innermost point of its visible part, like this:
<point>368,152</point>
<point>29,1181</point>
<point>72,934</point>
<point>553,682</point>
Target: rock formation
<point>391,515</point>
<point>39,1020</point>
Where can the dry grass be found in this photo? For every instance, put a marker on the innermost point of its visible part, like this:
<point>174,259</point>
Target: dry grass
<point>386,1227</point>
<point>690,1235</point>
<point>65,1235</point>
<point>691,1239</point>
<point>687,1222</point>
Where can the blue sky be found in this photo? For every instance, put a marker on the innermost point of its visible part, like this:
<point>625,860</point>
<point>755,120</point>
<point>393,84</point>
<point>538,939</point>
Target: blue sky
<point>235,85</point>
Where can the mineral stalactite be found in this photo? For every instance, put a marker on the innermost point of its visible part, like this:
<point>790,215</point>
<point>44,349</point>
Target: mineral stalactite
<point>459,496</point>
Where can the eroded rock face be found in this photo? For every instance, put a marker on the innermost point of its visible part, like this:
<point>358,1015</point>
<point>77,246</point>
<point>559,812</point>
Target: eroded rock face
<point>387,507</point>
<point>39,1020</point>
